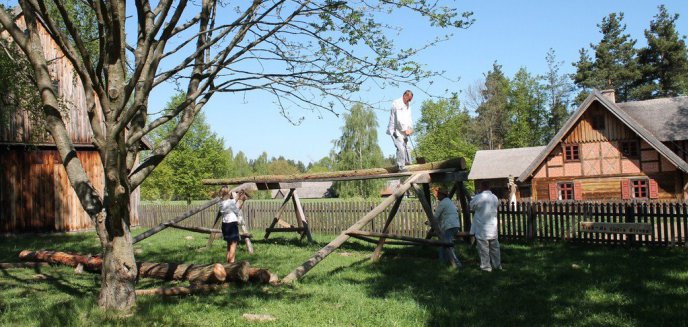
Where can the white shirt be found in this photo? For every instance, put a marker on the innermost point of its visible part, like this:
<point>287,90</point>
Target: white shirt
<point>229,211</point>
<point>484,225</point>
<point>399,118</point>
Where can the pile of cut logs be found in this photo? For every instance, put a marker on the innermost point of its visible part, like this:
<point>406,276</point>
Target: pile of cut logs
<point>202,278</point>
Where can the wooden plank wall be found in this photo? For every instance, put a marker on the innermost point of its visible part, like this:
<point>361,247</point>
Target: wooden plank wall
<point>78,126</point>
<point>36,195</point>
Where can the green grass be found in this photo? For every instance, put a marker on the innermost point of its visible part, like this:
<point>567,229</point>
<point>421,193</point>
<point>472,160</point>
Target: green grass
<point>543,285</point>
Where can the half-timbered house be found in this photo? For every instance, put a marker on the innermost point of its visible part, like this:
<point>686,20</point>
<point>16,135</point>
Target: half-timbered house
<point>614,151</point>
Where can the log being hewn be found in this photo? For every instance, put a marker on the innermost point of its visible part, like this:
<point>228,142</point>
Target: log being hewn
<point>370,173</point>
<point>212,273</point>
<point>175,291</point>
<point>262,276</point>
<point>90,263</point>
<point>11,265</point>
<point>337,242</point>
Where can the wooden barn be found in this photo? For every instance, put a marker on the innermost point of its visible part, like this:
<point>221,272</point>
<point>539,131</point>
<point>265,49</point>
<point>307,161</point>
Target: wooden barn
<point>615,151</point>
<point>35,195</point>
<point>497,166</point>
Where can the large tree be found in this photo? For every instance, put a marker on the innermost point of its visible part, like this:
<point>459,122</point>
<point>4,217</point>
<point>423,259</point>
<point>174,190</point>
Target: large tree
<point>615,64</point>
<point>664,61</point>
<point>526,111</point>
<point>443,131</point>
<point>357,148</point>
<point>492,121</point>
<point>308,53</point>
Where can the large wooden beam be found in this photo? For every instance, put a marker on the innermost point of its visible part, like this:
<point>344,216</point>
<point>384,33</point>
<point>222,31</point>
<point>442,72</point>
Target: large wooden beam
<point>337,242</point>
<point>370,173</point>
<point>183,216</point>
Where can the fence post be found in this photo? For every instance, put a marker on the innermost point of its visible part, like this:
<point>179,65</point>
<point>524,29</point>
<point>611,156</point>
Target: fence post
<point>630,218</point>
<point>531,213</point>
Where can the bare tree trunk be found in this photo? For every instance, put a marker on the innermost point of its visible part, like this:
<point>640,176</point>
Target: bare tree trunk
<point>119,272</point>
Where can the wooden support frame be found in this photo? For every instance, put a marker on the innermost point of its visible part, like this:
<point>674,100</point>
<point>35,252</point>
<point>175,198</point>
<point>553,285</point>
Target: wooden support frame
<point>400,237</point>
<point>301,221</point>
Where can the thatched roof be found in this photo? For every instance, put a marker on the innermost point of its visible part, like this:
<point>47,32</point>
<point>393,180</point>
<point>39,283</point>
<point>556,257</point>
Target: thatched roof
<point>490,164</point>
<point>666,118</point>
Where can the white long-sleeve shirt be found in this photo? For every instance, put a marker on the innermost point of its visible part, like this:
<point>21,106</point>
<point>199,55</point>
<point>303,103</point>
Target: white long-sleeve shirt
<point>399,118</point>
<point>229,211</point>
<point>484,225</point>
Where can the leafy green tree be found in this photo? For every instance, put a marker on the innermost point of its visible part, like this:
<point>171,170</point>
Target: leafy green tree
<point>199,155</point>
<point>241,165</point>
<point>557,93</point>
<point>442,131</point>
<point>492,121</point>
<point>615,65</point>
<point>357,148</point>
<point>664,61</point>
<point>323,165</point>
<point>526,111</point>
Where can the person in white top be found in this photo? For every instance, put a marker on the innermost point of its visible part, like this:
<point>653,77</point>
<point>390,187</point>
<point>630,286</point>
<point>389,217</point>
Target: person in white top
<point>401,127</point>
<point>229,212</point>
<point>484,228</point>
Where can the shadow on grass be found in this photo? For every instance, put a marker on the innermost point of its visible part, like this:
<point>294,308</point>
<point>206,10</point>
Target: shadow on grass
<point>543,284</point>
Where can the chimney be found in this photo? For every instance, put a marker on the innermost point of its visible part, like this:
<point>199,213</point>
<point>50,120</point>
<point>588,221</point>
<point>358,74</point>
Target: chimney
<point>610,95</point>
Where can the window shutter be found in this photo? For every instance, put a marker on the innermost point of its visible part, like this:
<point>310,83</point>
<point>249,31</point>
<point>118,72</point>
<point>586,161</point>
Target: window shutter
<point>577,191</point>
<point>626,189</point>
<point>654,189</point>
<point>553,195</point>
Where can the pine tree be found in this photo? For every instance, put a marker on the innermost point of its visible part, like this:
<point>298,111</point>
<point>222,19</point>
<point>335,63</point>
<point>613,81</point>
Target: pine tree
<point>492,121</point>
<point>615,65</point>
<point>357,148</point>
<point>557,92</point>
<point>664,62</point>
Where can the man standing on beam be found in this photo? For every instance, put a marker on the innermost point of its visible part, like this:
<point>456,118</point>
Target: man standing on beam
<point>401,127</point>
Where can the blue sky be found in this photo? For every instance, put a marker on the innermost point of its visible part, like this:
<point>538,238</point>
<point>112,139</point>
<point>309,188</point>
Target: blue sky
<point>514,33</point>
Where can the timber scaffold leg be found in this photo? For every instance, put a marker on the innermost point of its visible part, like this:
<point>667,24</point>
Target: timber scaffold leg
<point>302,224</point>
<point>420,183</point>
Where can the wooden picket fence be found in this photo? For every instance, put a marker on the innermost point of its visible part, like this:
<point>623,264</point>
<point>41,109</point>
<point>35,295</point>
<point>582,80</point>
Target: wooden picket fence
<point>523,221</point>
<point>559,221</point>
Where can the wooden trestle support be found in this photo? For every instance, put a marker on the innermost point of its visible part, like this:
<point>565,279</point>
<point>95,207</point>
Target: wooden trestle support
<point>418,178</point>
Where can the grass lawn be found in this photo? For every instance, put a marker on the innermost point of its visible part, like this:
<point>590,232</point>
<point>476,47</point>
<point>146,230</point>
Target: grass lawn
<point>543,285</point>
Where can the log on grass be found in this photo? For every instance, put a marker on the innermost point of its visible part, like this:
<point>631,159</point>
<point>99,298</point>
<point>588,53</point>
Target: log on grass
<point>90,263</point>
<point>262,276</point>
<point>212,273</point>
<point>176,291</point>
<point>238,271</point>
<point>370,173</point>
